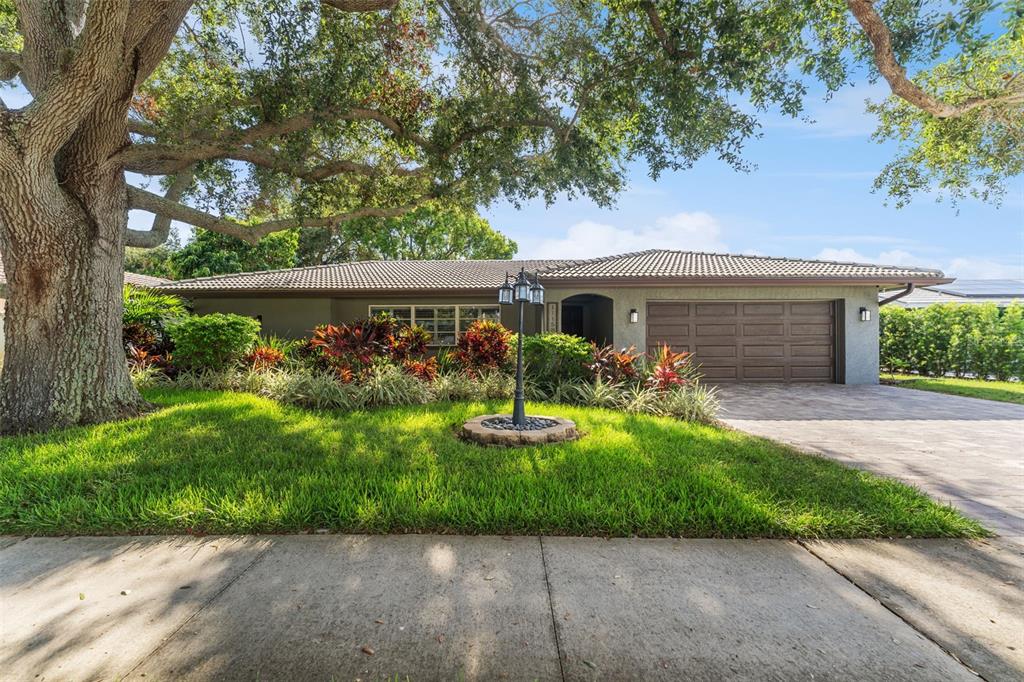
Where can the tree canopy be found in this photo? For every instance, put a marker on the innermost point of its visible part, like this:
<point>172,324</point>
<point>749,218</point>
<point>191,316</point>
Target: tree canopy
<point>314,113</point>
<point>428,232</point>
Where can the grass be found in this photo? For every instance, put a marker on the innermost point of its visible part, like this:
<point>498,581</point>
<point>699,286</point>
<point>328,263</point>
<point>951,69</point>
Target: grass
<point>1003,391</point>
<point>234,463</point>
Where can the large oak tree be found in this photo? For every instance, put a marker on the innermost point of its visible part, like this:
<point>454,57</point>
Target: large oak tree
<point>263,115</point>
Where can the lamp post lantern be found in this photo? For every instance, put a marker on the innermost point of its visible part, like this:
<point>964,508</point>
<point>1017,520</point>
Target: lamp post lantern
<point>522,291</point>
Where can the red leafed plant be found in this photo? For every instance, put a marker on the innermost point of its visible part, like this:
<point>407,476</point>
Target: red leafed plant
<point>264,357</point>
<point>614,366</point>
<point>485,345</point>
<point>424,369</point>
<point>410,341</point>
<point>670,369</point>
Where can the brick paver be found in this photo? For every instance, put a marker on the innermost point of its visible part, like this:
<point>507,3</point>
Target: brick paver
<point>963,451</point>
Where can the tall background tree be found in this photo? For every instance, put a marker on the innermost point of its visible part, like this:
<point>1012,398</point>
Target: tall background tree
<point>346,109</point>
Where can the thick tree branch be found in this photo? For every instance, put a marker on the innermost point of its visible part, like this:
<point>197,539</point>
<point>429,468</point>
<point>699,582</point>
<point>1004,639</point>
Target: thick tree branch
<point>162,19</point>
<point>157,235</point>
<point>10,64</point>
<point>71,94</point>
<point>158,205</point>
<point>157,158</point>
<point>880,37</point>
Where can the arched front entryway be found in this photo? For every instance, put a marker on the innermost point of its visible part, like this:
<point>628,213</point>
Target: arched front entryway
<point>590,316</point>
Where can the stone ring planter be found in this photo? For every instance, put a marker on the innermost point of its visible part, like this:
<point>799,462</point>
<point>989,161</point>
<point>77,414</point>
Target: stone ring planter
<point>540,430</point>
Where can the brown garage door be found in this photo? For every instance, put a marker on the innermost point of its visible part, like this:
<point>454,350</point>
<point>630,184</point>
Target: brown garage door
<point>747,340</point>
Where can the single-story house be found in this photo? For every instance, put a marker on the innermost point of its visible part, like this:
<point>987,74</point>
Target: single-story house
<point>746,318</point>
<point>1001,292</point>
<point>132,278</point>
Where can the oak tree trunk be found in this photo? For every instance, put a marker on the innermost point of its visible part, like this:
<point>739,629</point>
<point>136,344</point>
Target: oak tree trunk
<point>62,236</point>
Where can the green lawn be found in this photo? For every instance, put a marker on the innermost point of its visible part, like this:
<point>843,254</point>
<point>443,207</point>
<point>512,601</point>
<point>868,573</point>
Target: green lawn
<point>228,462</point>
<point>1003,391</point>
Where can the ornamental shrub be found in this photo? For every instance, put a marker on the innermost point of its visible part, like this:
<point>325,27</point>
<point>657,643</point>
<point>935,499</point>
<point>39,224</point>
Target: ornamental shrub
<point>213,342</point>
<point>961,339</point>
<point>615,366</point>
<point>555,358</point>
<point>670,369</point>
<point>485,345</point>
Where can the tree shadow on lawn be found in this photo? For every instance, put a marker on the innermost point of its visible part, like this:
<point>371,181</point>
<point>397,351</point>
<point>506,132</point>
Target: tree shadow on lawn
<point>224,462</point>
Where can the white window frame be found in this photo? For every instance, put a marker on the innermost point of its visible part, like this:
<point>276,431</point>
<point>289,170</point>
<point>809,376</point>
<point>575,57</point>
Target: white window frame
<point>412,312</point>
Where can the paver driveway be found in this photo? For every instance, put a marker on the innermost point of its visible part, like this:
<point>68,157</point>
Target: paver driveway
<point>963,451</point>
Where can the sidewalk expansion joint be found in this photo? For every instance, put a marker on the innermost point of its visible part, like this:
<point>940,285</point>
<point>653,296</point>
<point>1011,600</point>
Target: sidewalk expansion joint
<point>551,607</point>
<point>202,607</point>
<point>890,610</point>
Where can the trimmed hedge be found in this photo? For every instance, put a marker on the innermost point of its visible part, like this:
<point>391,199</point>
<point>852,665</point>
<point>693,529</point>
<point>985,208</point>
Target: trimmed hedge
<point>213,342</point>
<point>954,338</point>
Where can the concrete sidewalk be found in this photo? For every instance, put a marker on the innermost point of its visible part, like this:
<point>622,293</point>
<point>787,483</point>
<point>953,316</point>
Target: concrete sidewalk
<point>519,608</point>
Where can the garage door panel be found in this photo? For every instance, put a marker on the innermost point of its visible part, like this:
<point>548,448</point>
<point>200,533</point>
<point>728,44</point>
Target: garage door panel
<point>668,330</point>
<point>764,372</point>
<point>716,330</point>
<point>765,309</point>
<point>749,340</point>
<point>774,329</point>
<point>716,309</point>
<point>710,351</point>
<point>773,351</point>
<point>712,373</point>
<point>667,310</point>
<point>799,351</point>
<point>810,329</point>
<point>820,308</point>
<point>821,372</point>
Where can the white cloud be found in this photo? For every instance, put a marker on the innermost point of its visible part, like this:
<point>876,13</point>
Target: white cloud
<point>981,268</point>
<point>588,239</point>
<point>843,115</point>
<point>963,267</point>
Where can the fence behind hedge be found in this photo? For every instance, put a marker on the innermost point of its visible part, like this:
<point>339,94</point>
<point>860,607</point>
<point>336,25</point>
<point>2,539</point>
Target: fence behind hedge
<point>961,339</point>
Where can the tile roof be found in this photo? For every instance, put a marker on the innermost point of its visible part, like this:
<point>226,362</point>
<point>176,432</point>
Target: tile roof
<point>657,263</point>
<point>435,275</point>
<point>669,266</point>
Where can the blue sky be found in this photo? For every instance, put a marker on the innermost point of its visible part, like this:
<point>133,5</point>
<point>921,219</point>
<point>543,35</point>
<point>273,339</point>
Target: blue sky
<point>809,197</point>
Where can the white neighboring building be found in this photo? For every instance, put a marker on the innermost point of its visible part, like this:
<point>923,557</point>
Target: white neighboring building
<point>1002,292</point>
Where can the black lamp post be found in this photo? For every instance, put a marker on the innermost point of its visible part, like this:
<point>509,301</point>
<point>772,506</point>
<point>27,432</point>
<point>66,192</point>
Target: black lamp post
<point>521,291</point>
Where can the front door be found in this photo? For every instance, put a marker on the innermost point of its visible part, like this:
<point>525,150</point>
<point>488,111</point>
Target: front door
<point>572,319</point>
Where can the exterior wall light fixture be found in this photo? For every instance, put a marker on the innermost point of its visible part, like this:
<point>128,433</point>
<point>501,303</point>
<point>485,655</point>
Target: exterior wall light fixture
<point>634,316</point>
<point>865,315</point>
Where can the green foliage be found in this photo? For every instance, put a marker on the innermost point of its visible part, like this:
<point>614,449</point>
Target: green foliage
<point>974,154</point>
<point>386,384</point>
<point>555,358</point>
<point>485,345</point>
<point>237,463</point>
<point>155,262</point>
<point>213,342</point>
<point>151,308</point>
<point>961,339</point>
<point>431,232</point>
<point>615,365</point>
<point>497,99</point>
<point>211,253</point>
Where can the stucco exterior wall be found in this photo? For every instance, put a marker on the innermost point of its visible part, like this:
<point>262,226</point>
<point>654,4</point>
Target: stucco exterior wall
<point>287,317</point>
<point>860,355</point>
<point>293,317</point>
